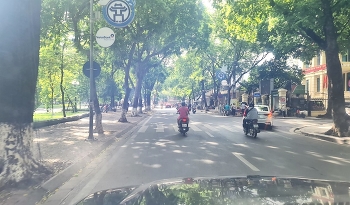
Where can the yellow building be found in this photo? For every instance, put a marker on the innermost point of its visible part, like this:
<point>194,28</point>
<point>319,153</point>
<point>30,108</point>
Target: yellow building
<point>316,79</point>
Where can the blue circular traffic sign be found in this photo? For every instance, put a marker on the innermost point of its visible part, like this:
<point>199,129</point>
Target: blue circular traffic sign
<point>220,75</point>
<point>119,13</point>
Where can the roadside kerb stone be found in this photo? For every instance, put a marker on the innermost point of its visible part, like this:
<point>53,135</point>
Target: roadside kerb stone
<point>338,140</point>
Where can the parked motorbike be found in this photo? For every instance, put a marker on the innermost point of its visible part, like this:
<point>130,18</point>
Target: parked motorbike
<point>194,110</point>
<point>183,126</point>
<point>253,128</point>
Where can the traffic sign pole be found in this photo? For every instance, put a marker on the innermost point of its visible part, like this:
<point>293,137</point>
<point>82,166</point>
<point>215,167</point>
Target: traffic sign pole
<point>91,116</point>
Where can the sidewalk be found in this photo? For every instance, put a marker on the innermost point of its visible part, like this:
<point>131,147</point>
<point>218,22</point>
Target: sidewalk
<point>64,149</point>
<point>317,131</point>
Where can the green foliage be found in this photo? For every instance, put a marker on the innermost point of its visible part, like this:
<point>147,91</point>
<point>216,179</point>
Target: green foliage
<point>278,69</point>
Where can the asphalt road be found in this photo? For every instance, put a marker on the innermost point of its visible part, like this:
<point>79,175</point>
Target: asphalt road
<point>214,146</point>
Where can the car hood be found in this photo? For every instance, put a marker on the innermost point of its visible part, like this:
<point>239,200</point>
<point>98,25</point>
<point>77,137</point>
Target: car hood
<point>227,190</point>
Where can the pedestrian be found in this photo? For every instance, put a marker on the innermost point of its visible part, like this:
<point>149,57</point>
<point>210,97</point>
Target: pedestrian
<point>283,110</point>
<point>233,110</point>
<point>243,107</point>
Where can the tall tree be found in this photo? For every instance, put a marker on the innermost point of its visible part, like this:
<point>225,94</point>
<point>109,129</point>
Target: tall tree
<point>19,57</point>
<point>296,27</point>
<point>161,29</point>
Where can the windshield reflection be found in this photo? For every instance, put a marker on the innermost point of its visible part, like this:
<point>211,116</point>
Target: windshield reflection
<point>269,190</point>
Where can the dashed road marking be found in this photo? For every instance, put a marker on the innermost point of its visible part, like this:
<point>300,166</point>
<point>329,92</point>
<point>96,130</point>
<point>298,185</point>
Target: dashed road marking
<point>210,135</point>
<point>250,165</point>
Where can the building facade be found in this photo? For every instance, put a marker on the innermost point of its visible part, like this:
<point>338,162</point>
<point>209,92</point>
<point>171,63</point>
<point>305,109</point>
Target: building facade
<point>316,79</point>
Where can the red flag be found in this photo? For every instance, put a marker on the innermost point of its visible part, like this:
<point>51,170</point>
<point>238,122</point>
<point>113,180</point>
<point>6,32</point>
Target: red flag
<point>325,81</point>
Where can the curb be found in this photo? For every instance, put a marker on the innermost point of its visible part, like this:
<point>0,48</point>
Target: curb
<point>58,180</point>
<point>337,140</point>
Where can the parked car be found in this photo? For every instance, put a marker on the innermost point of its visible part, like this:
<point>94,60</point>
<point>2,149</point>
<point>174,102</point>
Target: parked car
<point>168,105</point>
<point>265,116</point>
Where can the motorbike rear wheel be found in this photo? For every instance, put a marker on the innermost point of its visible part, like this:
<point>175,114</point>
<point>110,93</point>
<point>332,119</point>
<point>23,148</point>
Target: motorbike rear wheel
<point>254,133</point>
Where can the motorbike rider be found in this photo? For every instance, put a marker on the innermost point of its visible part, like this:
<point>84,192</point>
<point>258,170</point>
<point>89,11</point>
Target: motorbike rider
<point>183,111</point>
<point>226,108</point>
<point>251,113</point>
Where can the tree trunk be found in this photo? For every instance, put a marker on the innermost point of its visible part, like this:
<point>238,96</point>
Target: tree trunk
<point>330,103</point>
<point>113,94</point>
<point>125,106</point>
<point>148,100</point>
<point>203,95</point>
<point>61,83</point>
<point>19,57</point>
<point>140,104</point>
<point>52,91</point>
<point>334,71</point>
<point>98,114</point>
<point>136,96</point>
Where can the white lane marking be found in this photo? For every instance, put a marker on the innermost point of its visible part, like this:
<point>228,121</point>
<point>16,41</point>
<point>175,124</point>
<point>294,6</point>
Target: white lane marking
<point>194,128</point>
<point>250,165</point>
<point>210,127</point>
<point>210,135</point>
<point>160,128</point>
<point>176,128</point>
<point>143,129</point>
<point>147,121</point>
<point>229,128</point>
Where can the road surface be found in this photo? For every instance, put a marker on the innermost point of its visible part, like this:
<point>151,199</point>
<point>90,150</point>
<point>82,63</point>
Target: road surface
<point>214,146</point>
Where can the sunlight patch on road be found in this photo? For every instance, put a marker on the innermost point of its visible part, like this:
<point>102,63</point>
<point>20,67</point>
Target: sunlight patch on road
<point>142,142</point>
<point>272,147</point>
<point>68,142</point>
<point>178,151</point>
<point>205,161</point>
<point>212,154</point>
<point>258,158</point>
<point>212,143</point>
<point>314,154</point>
<point>136,147</point>
<point>331,161</point>
<point>241,145</point>
<point>40,140</point>
<point>291,152</point>
<point>149,165</point>
<point>340,159</point>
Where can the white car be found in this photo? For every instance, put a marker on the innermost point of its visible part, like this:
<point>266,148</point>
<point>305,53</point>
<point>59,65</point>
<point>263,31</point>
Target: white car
<point>265,116</point>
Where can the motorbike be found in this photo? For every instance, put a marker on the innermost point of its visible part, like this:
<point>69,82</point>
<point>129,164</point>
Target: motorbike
<point>183,126</point>
<point>194,110</point>
<point>226,112</point>
<point>253,128</point>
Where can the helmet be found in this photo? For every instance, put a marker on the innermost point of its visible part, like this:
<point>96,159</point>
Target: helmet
<point>251,105</point>
<point>183,104</point>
